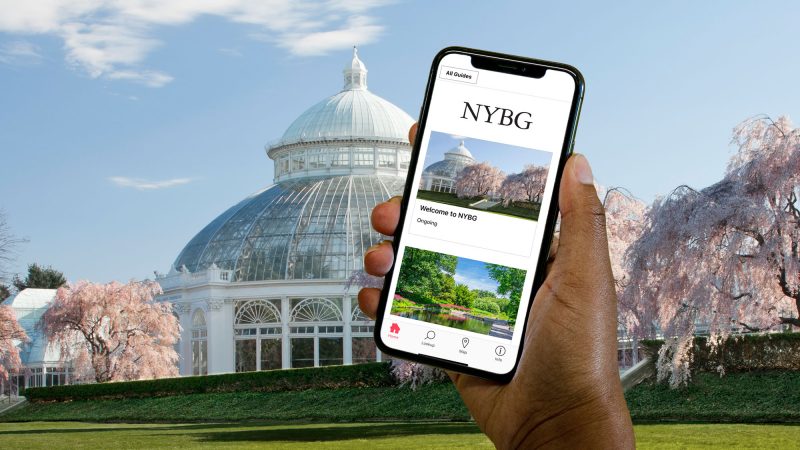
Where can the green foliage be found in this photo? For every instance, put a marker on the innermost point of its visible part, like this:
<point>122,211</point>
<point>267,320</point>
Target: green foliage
<point>480,293</point>
<point>776,351</point>
<point>502,303</point>
<point>430,401</point>
<point>487,304</point>
<point>5,292</point>
<point>40,277</point>
<point>463,296</point>
<point>443,291</point>
<point>423,271</point>
<point>510,282</point>
<point>771,396</point>
<point>358,375</point>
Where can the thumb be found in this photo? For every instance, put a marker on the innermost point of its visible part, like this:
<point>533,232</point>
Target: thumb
<point>582,258</point>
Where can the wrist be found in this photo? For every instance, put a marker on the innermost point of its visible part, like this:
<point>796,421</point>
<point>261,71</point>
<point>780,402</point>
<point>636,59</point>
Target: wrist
<point>598,423</point>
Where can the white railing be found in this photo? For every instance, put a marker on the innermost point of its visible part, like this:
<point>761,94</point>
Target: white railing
<point>186,279</point>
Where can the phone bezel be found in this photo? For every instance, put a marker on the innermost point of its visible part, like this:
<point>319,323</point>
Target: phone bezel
<point>549,224</point>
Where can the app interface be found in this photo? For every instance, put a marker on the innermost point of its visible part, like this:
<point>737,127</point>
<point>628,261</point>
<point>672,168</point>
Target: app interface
<point>472,234</point>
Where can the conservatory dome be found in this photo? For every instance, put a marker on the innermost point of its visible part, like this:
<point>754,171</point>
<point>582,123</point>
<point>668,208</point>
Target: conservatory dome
<point>454,161</point>
<point>355,112</point>
<point>441,175</point>
<point>332,166</point>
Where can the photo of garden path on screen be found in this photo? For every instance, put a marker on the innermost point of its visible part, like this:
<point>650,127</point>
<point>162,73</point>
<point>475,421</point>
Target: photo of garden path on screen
<point>458,292</point>
<point>484,175</point>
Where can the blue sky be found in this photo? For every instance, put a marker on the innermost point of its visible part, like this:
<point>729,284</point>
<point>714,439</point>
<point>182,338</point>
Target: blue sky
<point>474,274</point>
<point>508,158</point>
<point>177,100</point>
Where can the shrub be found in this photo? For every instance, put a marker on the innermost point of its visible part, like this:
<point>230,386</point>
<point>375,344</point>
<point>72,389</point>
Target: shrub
<point>487,304</point>
<point>741,353</point>
<point>463,296</point>
<point>358,375</point>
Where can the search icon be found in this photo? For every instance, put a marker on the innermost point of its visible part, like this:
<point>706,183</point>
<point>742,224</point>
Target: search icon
<point>431,335</point>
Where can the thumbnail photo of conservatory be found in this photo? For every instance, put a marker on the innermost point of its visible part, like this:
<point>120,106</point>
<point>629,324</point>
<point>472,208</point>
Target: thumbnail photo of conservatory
<point>458,292</point>
<point>484,175</point>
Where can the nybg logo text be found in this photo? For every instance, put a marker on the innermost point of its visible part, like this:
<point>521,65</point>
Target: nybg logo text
<point>489,114</point>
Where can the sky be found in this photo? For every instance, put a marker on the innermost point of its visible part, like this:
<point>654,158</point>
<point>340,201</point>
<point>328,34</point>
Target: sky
<point>508,158</point>
<point>474,274</point>
<point>126,127</point>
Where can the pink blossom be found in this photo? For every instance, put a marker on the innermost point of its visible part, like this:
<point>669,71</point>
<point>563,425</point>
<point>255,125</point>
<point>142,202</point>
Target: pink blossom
<point>10,330</point>
<point>114,331</point>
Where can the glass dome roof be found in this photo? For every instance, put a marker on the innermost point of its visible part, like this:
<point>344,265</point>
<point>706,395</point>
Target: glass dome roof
<point>350,114</point>
<point>354,112</point>
<point>313,228</point>
<point>454,161</point>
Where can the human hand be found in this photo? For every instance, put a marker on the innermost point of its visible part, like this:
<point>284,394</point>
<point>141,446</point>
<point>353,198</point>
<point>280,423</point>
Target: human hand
<point>566,391</point>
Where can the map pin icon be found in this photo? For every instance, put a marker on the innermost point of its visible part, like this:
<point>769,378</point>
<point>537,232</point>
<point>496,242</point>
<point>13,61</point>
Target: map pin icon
<point>465,342</point>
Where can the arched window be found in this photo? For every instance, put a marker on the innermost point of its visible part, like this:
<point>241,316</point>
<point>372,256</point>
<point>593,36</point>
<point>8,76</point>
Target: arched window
<point>254,312</point>
<point>199,343</point>
<point>257,333</point>
<point>317,332</point>
<point>316,310</point>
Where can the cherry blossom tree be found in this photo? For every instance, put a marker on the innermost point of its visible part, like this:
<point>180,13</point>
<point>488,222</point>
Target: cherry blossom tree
<point>477,180</point>
<point>10,331</point>
<point>527,185</point>
<point>725,258</point>
<point>512,189</point>
<point>114,331</point>
<point>625,220</point>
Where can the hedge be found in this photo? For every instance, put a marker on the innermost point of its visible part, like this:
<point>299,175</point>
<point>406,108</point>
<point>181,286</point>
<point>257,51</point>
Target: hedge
<point>742,353</point>
<point>358,375</point>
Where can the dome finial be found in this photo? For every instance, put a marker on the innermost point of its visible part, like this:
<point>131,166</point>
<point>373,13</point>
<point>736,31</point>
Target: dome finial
<point>355,73</point>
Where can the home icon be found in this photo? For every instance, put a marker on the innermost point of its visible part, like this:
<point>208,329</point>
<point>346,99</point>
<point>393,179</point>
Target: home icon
<point>395,328</point>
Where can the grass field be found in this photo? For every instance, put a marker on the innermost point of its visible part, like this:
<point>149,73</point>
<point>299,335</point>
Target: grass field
<point>386,435</point>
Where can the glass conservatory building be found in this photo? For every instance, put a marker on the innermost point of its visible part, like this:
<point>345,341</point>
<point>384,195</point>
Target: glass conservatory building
<point>263,286</point>
<point>441,175</point>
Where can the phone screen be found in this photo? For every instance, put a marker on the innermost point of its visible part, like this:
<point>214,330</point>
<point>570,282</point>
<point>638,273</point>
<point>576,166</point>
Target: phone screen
<point>473,231</point>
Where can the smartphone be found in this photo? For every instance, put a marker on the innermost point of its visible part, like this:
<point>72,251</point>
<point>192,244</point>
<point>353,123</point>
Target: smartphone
<point>478,211</point>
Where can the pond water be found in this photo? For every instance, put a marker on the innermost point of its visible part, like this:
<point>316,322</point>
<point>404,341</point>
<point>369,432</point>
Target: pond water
<point>443,318</point>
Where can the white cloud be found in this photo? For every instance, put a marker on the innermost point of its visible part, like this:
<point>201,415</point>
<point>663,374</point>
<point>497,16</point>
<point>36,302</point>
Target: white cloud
<point>356,30</point>
<point>19,53</point>
<point>112,39</point>
<point>147,185</point>
<point>146,77</point>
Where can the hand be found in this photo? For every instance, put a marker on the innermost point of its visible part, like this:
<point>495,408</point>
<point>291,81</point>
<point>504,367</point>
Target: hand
<point>566,391</point>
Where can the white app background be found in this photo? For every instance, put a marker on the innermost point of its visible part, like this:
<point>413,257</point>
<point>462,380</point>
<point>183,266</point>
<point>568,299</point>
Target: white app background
<point>492,238</point>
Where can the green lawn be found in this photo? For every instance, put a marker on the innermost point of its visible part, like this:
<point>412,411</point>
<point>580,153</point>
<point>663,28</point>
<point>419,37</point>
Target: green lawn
<point>419,435</point>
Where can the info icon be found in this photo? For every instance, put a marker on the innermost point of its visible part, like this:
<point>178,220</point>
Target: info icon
<point>500,350</point>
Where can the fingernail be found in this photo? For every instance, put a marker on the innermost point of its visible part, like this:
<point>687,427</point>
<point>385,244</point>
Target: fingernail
<point>372,249</point>
<point>582,170</point>
<point>396,199</point>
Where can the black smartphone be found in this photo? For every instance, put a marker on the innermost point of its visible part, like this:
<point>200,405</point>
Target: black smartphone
<point>479,210</point>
